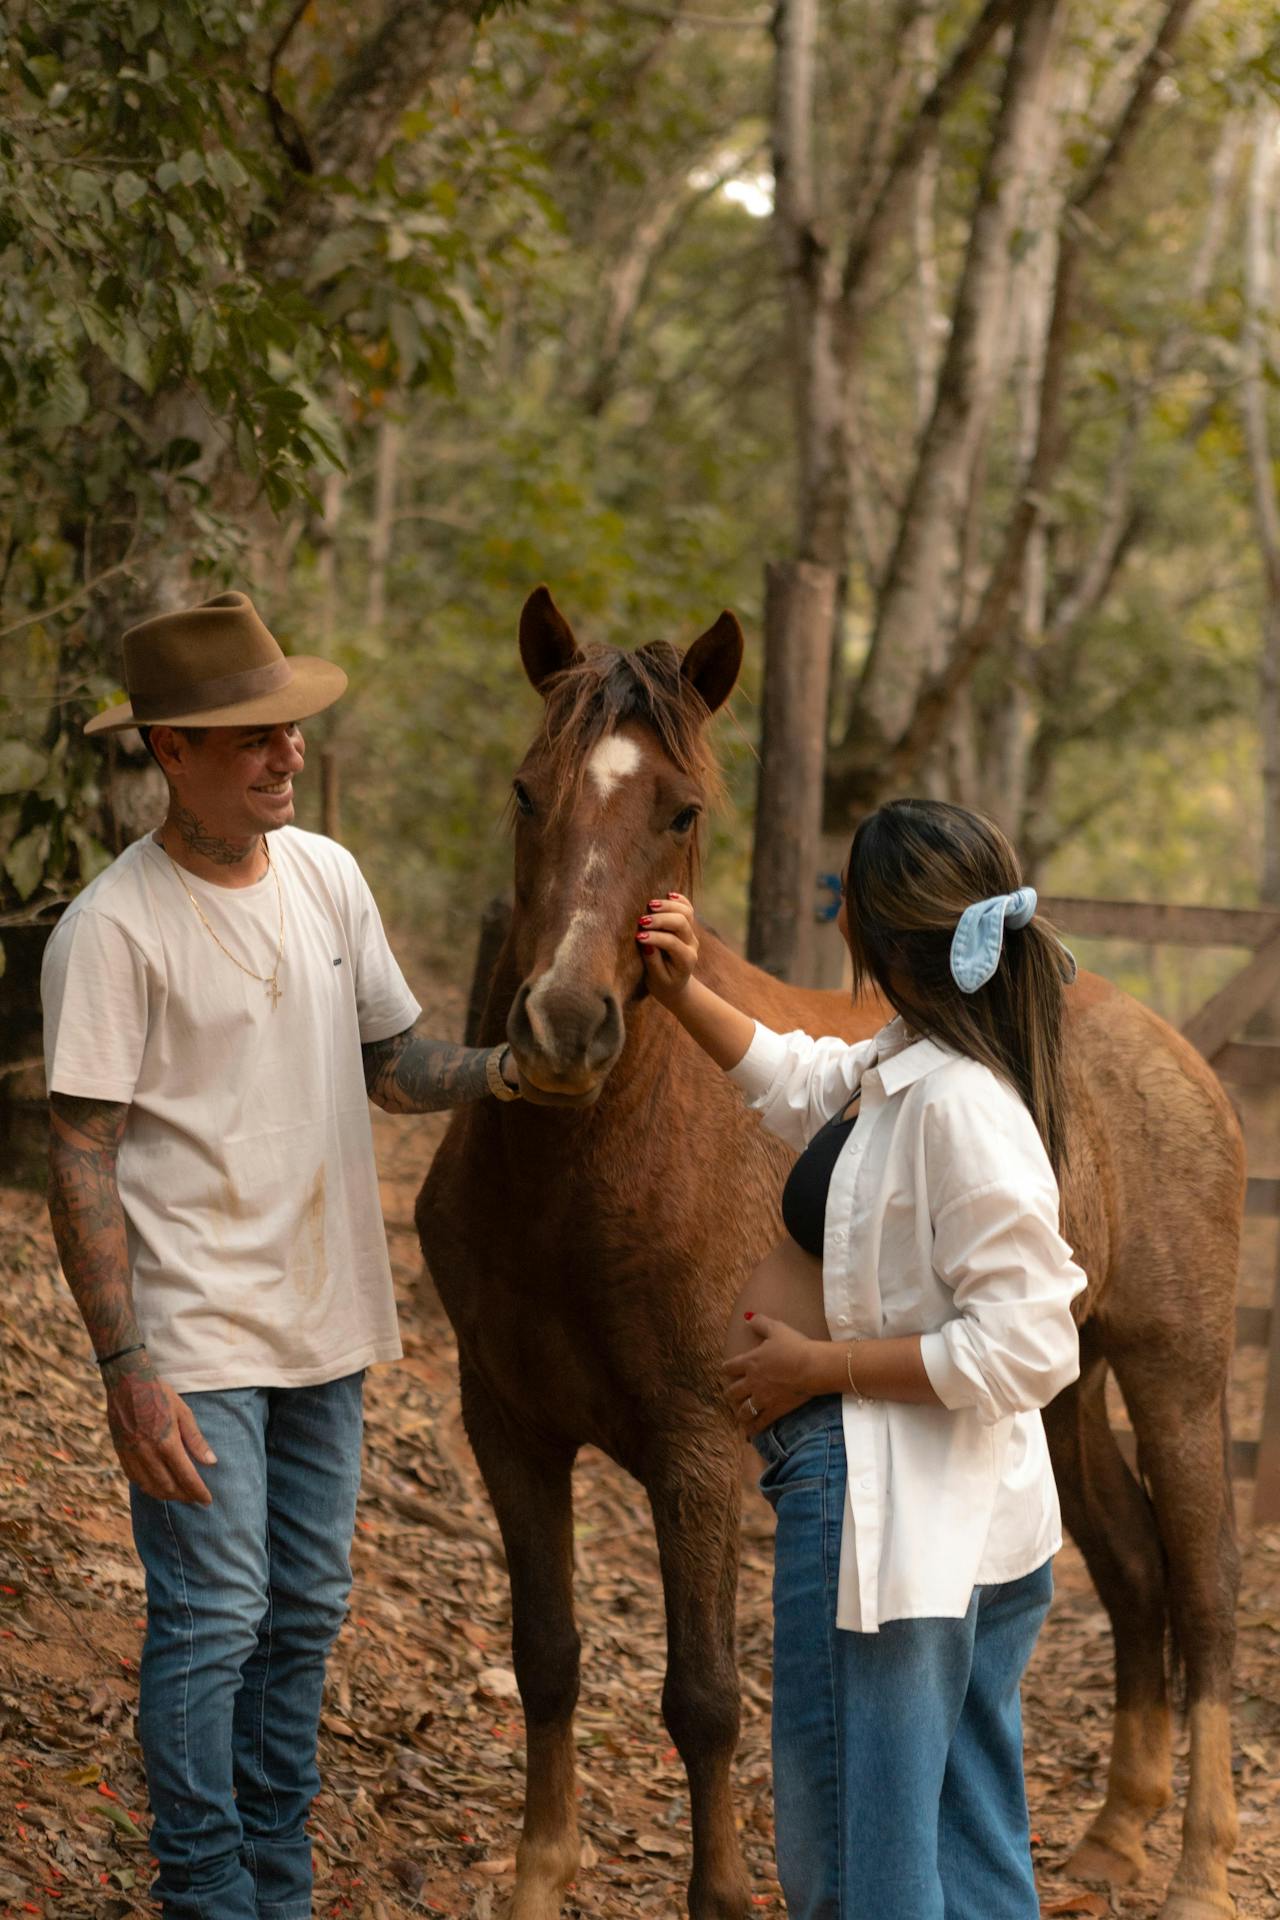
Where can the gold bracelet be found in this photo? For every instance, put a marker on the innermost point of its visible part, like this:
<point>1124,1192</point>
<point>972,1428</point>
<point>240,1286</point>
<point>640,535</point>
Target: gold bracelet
<point>854,1388</point>
<point>493,1075</point>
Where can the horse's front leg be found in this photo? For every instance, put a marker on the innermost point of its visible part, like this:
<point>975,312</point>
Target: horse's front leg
<point>529,1484</point>
<point>694,1487</point>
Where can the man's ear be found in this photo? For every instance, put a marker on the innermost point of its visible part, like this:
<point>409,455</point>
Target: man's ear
<point>169,748</point>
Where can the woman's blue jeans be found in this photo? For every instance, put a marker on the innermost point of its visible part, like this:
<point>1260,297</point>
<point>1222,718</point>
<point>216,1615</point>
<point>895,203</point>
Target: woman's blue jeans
<point>244,1599</point>
<point>897,1756</point>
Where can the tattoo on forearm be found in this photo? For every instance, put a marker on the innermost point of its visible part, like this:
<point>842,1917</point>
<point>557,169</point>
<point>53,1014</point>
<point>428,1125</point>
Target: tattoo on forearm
<point>87,1217</point>
<point>138,1409</point>
<point>223,853</point>
<point>412,1074</point>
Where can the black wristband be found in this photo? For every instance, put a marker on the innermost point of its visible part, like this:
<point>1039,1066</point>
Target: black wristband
<point>107,1358</point>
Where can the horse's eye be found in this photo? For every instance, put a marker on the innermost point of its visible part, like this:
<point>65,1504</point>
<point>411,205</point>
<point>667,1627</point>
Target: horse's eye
<point>685,819</point>
<point>523,801</point>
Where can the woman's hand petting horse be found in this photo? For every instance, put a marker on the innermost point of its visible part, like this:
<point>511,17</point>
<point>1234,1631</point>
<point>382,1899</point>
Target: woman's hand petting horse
<point>667,936</point>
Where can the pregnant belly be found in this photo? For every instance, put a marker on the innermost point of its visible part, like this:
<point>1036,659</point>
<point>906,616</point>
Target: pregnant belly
<point>787,1285</point>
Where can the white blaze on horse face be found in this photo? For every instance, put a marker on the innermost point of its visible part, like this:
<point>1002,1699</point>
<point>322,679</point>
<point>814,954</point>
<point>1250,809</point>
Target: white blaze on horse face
<point>565,959</point>
<point>612,761</point>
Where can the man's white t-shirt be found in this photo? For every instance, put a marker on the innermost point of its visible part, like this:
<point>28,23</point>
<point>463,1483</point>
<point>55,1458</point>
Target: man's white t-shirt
<point>246,1172</point>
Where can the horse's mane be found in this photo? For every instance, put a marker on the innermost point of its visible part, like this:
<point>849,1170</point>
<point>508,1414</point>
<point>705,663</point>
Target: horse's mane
<point>605,687</point>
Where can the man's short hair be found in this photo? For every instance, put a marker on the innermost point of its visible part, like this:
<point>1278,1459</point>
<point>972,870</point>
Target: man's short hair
<point>194,734</point>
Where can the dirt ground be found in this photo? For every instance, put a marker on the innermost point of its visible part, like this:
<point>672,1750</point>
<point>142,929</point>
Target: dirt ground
<point>422,1745</point>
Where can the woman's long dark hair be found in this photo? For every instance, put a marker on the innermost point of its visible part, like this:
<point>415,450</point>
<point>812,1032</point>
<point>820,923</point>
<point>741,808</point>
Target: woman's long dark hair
<point>914,866</point>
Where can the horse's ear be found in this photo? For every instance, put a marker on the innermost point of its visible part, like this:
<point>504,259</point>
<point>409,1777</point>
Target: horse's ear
<point>547,644</point>
<point>713,661</point>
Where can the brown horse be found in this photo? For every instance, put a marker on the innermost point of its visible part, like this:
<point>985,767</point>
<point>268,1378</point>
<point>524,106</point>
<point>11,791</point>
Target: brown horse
<point>588,1259</point>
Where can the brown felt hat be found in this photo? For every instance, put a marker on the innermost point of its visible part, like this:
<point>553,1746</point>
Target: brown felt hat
<point>216,665</point>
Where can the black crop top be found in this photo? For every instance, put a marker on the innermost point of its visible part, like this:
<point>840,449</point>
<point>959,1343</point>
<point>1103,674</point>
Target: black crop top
<point>804,1198</point>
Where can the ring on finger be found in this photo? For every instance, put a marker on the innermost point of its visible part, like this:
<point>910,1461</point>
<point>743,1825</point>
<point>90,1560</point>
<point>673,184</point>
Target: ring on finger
<point>752,1408</point>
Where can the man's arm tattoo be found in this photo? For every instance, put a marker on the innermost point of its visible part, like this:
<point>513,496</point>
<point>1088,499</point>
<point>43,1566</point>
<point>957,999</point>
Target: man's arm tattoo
<point>88,1218</point>
<point>413,1074</point>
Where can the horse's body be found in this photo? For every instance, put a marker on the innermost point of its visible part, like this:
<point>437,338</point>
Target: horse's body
<point>588,1261</point>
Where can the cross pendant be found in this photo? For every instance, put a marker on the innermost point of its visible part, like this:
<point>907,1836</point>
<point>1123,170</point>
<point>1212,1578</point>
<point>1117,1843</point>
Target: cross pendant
<point>275,990</point>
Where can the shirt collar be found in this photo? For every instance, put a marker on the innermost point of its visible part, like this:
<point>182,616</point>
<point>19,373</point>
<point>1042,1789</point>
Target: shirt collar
<point>900,1060</point>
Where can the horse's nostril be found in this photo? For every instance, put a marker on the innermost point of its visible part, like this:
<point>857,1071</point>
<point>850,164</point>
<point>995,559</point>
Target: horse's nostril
<point>520,1031</point>
<point>607,1038</point>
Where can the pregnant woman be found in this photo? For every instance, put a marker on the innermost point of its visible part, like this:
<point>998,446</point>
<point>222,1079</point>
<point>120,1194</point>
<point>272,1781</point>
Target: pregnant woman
<point>890,1358</point>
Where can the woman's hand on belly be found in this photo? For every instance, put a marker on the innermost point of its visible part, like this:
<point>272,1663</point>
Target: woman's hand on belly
<point>778,1374</point>
<point>787,1285</point>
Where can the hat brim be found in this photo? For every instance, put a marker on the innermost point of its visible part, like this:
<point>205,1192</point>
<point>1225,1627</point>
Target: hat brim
<point>315,684</point>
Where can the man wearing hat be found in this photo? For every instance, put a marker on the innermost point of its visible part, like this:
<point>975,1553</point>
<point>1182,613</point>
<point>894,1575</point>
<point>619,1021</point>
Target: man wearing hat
<point>220,1006</point>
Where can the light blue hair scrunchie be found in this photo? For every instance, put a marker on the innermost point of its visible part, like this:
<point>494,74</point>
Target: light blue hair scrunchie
<point>979,935</point>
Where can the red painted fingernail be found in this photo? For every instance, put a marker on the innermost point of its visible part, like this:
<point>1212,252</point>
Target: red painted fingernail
<point>642,936</point>
<point>748,1316</point>
<point>646,920</point>
<point>673,896</point>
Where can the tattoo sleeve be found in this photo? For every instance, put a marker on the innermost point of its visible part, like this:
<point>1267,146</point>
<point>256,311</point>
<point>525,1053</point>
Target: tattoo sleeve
<point>412,1074</point>
<point>88,1219</point>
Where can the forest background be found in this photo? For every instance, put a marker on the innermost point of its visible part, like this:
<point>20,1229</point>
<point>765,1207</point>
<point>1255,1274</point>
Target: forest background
<point>936,338</point>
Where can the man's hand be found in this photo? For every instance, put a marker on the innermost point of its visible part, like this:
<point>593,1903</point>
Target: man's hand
<point>155,1433</point>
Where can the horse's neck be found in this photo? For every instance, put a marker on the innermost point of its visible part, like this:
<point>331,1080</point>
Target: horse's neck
<point>776,1003</point>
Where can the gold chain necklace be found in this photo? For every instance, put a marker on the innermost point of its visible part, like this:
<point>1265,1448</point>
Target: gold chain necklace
<point>271,981</point>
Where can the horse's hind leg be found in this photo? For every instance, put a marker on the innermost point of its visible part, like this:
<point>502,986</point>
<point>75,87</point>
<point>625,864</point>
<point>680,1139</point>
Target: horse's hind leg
<point>1110,1518</point>
<point>530,1487</point>
<point>1176,1402</point>
<point>694,1487</point>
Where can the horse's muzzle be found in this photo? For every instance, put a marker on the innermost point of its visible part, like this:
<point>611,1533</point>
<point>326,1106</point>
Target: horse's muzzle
<point>565,1040</point>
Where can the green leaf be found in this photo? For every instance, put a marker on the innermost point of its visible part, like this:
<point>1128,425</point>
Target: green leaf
<point>94,858</point>
<point>204,339</point>
<point>22,766</point>
<point>246,448</point>
<point>66,401</point>
<point>24,863</point>
<point>191,167</point>
<point>135,358</point>
<point>168,175</point>
<point>129,188</point>
<point>226,170</point>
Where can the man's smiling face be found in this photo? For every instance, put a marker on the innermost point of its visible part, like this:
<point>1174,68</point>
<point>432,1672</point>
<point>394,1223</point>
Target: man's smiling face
<point>237,781</point>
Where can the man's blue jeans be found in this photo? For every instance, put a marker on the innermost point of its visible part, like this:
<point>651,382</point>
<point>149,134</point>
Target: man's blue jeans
<point>244,1599</point>
<point>897,1756</point>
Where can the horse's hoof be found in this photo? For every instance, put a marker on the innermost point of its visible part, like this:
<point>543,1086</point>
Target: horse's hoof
<point>1120,1863</point>
<point>1198,1903</point>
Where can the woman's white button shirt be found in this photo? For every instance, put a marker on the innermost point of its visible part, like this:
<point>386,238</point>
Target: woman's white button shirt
<point>942,1220</point>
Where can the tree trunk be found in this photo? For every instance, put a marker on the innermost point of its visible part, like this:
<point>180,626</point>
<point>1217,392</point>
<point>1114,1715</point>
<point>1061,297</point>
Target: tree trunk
<point>922,593</point>
<point>799,605</point>
<point>1259,277</point>
<point>382,523</point>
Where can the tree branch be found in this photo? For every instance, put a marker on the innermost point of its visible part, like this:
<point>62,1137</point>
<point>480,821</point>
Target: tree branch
<point>926,723</point>
<point>872,233</point>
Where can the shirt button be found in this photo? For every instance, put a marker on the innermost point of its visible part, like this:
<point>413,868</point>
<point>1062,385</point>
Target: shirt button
<point>839,1236</point>
<point>842,1319</point>
<point>865,1483</point>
